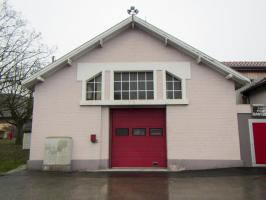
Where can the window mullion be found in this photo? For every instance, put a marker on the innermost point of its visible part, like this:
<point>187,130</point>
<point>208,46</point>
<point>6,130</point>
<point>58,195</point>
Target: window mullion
<point>129,96</point>
<point>138,85</point>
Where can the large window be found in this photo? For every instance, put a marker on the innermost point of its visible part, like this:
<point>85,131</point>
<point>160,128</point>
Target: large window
<point>133,85</point>
<point>173,87</point>
<point>94,87</point>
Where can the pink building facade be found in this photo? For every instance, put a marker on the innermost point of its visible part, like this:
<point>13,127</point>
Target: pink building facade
<point>196,92</point>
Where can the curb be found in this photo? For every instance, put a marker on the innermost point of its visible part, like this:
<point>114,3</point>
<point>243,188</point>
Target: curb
<point>18,169</point>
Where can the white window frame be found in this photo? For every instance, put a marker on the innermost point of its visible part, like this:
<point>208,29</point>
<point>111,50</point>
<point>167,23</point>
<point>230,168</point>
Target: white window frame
<point>84,88</point>
<point>137,84</point>
<point>94,91</point>
<point>179,69</point>
<point>252,144</point>
<point>183,89</point>
<point>165,90</point>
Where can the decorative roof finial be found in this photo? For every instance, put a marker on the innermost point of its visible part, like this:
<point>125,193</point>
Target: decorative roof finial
<point>132,11</point>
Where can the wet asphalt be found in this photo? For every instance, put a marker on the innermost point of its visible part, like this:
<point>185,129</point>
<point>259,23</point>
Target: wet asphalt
<point>233,183</point>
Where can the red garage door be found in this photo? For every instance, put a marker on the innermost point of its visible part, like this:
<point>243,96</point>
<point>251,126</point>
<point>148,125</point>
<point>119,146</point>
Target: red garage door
<point>259,135</point>
<point>138,138</point>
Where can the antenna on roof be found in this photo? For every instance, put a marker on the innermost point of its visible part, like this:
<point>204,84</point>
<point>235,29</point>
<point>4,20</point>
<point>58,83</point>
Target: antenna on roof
<point>132,11</point>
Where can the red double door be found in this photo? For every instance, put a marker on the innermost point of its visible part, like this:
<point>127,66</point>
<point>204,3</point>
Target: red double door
<point>138,137</point>
<point>259,136</point>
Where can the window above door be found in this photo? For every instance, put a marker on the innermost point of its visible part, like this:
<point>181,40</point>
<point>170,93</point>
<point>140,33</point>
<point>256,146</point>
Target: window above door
<point>133,86</point>
<point>94,88</point>
<point>133,83</point>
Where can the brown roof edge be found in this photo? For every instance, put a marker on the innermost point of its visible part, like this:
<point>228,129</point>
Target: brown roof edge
<point>246,65</point>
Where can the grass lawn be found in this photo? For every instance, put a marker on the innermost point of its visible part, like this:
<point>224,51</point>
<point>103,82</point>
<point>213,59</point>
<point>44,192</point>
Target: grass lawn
<point>11,155</point>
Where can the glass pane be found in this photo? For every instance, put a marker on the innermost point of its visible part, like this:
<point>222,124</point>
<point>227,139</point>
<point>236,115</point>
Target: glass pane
<point>90,96</point>
<point>169,77</point>
<point>176,79</point>
<point>125,95</point>
<point>149,76</point>
<point>141,76</point>
<point>125,85</point>
<point>117,86</point>
<point>169,86</point>
<point>125,76</point>
<point>98,96</point>
<point>142,95</point>
<point>98,86</point>
<point>133,95</point>
<point>133,76</point>
<point>117,95</point>
<point>133,85</point>
<point>121,132</point>
<point>117,76</point>
<point>150,85</point>
<point>139,131</point>
<point>141,85</point>
<point>150,95</point>
<point>156,131</point>
<point>169,94</point>
<point>98,78</point>
<point>177,85</point>
<point>90,86</point>
<point>178,94</point>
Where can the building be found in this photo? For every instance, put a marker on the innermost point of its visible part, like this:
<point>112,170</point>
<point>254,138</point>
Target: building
<point>135,96</point>
<point>252,70</point>
<point>252,124</point>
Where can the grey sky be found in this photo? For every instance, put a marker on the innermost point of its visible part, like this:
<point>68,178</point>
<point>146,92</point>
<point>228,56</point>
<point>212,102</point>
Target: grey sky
<point>224,29</point>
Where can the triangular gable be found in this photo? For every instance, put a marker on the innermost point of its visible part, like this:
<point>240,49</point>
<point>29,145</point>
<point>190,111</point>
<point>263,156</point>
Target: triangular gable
<point>132,22</point>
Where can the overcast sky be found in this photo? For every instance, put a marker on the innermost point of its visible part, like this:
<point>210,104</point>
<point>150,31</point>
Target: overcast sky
<point>225,29</point>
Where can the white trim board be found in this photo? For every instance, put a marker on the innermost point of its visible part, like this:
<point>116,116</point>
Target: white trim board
<point>180,69</point>
<point>135,102</point>
<point>252,145</point>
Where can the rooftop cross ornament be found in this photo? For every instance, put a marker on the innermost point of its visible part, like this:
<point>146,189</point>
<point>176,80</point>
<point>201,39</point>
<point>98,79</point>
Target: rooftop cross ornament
<point>132,11</point>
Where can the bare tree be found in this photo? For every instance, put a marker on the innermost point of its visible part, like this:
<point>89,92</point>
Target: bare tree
<point>21,55</point>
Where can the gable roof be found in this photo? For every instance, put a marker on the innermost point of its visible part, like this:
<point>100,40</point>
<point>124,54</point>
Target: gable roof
<point>132,22</point>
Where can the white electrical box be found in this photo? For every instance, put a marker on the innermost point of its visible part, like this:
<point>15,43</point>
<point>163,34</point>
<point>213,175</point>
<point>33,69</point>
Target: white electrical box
<point>57,154</point>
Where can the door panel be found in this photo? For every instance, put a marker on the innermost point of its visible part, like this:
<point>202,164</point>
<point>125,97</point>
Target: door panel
<point>138,148</point>
<point>259,134</point>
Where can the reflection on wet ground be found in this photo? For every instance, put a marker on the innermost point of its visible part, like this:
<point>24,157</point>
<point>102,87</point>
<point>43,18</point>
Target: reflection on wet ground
<point>235,183</point>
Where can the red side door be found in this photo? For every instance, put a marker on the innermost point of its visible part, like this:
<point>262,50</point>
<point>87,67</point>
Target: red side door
<point>138,137</point>
<point>259,135</point>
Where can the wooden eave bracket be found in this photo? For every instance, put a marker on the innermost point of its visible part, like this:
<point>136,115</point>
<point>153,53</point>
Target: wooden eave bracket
<point>69,62</point>
<point>229,76</point>
<point>199,60</point>
<point>101,43</point>
<point>165,41</point>
<point>41,79</point>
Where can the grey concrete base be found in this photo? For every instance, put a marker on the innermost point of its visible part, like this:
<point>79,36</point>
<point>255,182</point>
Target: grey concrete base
<point>76,165</point>
<point>62,168</point>
<point>183,164</point>
<point>173,164</point>
<point>89,165</point>
<point>34,164</point>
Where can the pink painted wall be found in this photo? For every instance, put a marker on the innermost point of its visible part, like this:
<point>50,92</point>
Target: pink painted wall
<point>204,129</point>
